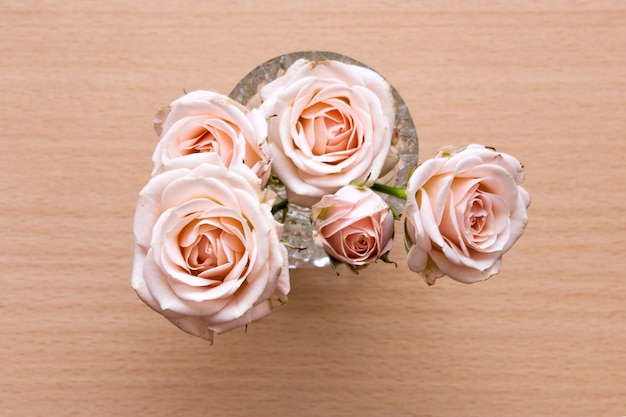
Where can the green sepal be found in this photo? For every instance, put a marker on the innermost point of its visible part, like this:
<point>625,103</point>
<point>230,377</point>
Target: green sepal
<point>385,259</point>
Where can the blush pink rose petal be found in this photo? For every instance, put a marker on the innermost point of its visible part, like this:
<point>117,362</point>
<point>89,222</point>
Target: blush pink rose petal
<point>464,211</point>
<point>208,255</point>
<point>203,122</point>
<point>354,226</point>
<point>330,124</point>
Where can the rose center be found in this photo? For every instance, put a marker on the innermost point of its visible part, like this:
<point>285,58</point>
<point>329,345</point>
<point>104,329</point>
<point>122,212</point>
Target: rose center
<point>328,130</point>
<point>478,216</point>
<point>202,254</point>
<point>339,133</point>
<point>207,138</point>
<point>359,243</point>
<point>477,222</point>
<point>212,251</point>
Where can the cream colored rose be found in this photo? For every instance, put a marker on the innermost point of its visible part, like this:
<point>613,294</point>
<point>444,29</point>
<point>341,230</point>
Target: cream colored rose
<point>354,225</point>
<point>203,122</point>
<point>208,254</point>
<point>464,210</point>
<point>330,124</point>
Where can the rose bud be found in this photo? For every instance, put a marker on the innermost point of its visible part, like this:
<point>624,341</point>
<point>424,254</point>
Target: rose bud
<point>354,225</point>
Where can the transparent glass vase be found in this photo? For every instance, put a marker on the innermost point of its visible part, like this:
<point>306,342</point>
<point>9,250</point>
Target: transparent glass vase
<point>303,253</point>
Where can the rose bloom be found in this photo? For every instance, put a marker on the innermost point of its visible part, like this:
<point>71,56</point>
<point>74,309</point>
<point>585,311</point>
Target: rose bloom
<point>208,254</point>
<point>354,225</point>
<point>204,121</point>
<point>330,124</point>
<point>464,210</point>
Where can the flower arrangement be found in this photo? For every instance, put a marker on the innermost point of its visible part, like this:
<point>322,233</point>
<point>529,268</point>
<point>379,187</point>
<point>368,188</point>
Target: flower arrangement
<point>311,165</point>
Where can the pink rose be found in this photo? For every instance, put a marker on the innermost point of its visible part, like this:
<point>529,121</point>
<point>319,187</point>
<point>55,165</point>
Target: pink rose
<point>208,254</point>
<point>330,124</point>
<point>203,121</point>
<point>354,225</point>
<point>464,210</point>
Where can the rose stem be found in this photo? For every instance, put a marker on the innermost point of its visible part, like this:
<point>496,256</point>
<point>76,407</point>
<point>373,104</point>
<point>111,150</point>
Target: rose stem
<point>280,206</point>
<point>387,189</point>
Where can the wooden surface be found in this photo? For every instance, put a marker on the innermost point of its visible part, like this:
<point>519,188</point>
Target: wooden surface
<point>545,81</point>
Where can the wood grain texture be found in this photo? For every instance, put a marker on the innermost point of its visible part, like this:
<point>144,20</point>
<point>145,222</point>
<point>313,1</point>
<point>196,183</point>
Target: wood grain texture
<point>544,81</point>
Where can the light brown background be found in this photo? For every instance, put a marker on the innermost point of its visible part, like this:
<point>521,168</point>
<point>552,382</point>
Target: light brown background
<point>544,81</point>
